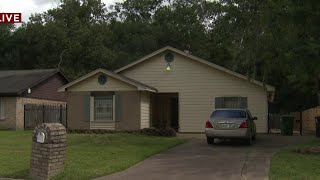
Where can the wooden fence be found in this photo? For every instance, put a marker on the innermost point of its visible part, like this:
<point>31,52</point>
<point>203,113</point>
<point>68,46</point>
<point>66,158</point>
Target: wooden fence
<point>35,114</point>
<point>274,123</point>
<point>308,118</point>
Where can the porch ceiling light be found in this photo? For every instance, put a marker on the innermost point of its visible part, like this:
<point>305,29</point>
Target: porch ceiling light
<point>168,67</point>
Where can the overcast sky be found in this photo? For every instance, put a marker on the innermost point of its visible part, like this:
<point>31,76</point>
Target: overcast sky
<point>27,7</point>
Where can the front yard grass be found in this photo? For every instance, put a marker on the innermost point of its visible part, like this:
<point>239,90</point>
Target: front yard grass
<point>288,164</point>
<point>88,155</point>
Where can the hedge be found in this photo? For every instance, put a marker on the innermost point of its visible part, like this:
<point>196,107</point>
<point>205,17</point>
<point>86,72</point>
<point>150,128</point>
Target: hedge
<point>167,132</point>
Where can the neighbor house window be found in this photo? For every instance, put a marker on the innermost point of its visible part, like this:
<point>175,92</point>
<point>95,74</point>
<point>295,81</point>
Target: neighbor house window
<point>231,102</point>
<point>103,108</point>
<point>1,108</point>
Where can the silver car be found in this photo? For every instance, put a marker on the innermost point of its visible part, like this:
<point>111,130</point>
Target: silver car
<point>231,124</point>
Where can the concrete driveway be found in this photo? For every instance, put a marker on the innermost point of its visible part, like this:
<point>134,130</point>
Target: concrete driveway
<point>196,160</point>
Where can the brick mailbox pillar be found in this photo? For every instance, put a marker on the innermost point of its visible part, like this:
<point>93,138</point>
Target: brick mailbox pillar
<point>48,150</point>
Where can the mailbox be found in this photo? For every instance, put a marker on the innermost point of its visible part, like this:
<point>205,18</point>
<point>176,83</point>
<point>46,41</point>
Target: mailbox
<point>48,151</point>
<point>41,137</point>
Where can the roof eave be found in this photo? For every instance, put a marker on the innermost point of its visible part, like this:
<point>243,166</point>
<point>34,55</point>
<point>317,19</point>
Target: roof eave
<point>147,89</point>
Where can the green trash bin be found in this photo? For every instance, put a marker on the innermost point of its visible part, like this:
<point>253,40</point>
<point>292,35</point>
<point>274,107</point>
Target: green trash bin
<point>287,125</point>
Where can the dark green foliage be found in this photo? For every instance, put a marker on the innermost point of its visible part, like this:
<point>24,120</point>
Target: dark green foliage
<point>276,42</point>
<point>168,132</point>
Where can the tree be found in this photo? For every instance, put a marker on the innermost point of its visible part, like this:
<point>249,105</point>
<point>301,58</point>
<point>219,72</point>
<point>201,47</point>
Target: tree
<point>276,42</point>
<point>6,31</point>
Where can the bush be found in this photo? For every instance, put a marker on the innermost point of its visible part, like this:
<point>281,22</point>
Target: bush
<point>89,131</point>
<point>168,132</point>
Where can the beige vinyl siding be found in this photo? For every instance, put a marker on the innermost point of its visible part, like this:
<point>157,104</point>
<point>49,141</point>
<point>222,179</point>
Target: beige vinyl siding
<point>145,110</point>
<point>92,84</point>
<point>102,125</point>
<point>198,85</point>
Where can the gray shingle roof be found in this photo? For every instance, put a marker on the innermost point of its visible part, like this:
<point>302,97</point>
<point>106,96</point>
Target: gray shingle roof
<point>15,82</point>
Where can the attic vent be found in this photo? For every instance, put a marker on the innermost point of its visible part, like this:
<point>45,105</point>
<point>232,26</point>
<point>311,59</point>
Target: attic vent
<point>102,79</point>
<point>169,57</point>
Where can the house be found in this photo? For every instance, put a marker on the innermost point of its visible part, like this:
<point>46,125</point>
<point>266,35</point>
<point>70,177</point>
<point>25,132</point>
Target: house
<point>21,87</point>
<point>167,88</point>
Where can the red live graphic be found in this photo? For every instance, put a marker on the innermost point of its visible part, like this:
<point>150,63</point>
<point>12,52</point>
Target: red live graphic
<point>10,18</point>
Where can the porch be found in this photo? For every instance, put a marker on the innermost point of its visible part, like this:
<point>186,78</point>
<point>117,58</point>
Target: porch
<point>165,110</point>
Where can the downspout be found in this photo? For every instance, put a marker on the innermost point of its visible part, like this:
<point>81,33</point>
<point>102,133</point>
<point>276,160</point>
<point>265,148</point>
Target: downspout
<point>301,122</point>
<point>268,116</point>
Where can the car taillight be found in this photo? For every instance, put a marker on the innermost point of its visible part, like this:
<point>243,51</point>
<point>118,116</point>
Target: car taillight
<point>244,125</point>
<point>208,125</point>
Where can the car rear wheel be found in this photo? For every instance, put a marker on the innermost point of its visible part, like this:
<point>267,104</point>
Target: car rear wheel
<point>254,138</point>
<point>210,140</point>
<point>249,140</point>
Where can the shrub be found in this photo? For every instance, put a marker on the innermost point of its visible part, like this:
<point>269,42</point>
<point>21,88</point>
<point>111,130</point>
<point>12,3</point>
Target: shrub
<point>167,132</point>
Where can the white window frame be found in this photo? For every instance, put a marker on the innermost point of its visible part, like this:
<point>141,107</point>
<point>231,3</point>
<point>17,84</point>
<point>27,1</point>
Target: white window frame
<point>2,111</point>
<point>92,104</point>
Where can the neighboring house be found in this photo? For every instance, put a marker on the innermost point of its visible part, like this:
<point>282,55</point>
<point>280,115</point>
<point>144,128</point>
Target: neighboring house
<point>167,88</point>
<point>21,87</point>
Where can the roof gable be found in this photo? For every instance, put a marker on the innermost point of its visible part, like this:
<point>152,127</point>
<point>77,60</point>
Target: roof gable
<point>131,82</point>
<point>225,70</point>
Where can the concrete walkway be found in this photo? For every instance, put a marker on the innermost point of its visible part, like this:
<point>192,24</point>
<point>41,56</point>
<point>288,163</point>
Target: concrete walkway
<point>223,160</point>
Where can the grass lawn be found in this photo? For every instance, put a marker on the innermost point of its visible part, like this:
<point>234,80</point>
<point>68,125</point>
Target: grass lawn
<point>88,155</point>
<point>287,164</point>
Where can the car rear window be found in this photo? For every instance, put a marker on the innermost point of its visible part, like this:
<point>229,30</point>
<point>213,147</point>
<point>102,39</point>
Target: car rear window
<point>229,114</point>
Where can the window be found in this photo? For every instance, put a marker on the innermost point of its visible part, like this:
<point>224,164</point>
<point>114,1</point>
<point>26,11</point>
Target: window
<point>229,114</point>
<point>2,108</point>
<point>231,102</point>
<point>103,108</point>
